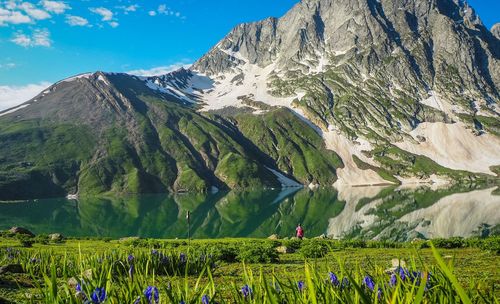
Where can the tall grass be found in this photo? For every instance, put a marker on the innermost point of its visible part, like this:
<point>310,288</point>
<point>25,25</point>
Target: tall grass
<point>169,276</point>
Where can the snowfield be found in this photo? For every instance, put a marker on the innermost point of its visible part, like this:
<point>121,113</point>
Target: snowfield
<point>455,147</point>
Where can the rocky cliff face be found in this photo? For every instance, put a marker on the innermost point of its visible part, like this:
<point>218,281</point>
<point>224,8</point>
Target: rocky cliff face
<point>495,30</point>
<point>413,46</point>
<point>370,70</point>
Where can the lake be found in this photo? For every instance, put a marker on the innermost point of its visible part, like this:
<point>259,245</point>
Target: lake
<point>364,212</point>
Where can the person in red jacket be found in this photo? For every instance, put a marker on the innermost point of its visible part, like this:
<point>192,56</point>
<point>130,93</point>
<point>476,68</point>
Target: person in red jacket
<point>300,231</point>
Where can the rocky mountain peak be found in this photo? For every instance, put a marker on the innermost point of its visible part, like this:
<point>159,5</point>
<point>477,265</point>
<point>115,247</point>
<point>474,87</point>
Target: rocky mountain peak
<point>495,30</point>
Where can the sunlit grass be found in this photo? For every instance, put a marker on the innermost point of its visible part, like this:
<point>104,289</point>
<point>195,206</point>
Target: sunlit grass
<point>178,272</point>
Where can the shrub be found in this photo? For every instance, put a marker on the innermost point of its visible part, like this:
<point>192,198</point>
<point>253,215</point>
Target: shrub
<point>313,249</point>
<point>258,252</point>
<point>455,242</point>
<point>226,253</point>
<point>26,241</point>
<point>41,239</point>
<point>492,244</point>
<point>353,244</point>
<point>294,243</point>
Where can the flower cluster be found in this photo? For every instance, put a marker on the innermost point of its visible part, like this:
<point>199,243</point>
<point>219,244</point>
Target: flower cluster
<point>246,291</point>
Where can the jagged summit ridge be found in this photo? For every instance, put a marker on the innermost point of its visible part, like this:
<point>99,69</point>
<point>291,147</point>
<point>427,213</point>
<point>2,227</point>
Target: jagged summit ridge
<point>426,36</point>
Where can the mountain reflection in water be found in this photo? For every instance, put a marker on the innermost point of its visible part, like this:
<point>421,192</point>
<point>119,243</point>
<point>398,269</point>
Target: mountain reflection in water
<point>357,212</point>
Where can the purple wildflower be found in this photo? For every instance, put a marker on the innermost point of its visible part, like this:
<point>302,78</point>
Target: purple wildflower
<point>205,299</point>
<point>300,285</point>
<point>98,296</point>
<point>182,258</point>
<point>152,295</point>
<point>368,282</point>
<point>131,271</point>
<point>394,280</point>
<point>345,283</point>
<point>130,258</point>
<point>402,273</point>
<point>246,291</point>
<point>333,279</point>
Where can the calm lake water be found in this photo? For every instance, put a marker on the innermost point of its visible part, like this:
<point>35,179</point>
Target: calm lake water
<point>366,212</point>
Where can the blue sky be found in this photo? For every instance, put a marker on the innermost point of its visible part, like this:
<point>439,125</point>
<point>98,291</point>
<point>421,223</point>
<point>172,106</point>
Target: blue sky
<point>44,41</point>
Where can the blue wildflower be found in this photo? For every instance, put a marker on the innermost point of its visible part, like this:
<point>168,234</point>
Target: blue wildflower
<point>333,279</point>
<point>205,299</point>
<point>154,252</point>
<point>98,296</point>
<point>182,302</point>
<point>182,258</point>
<point>130,258</point>
<point>131,271</point>
<point>152,295</point>
<point>138,300</point>
<point>394,280</point>
<point>345,283</point>
<point>163,259</point>
<point>428,285</point>
<point>368,282</point>
<point>402,273</point>
<point>300,285</point>
<point>246,291</point>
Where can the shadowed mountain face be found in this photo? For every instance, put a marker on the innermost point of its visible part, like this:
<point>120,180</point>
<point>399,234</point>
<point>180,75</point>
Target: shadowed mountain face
<point>351,92</point>
<point>112,133</point>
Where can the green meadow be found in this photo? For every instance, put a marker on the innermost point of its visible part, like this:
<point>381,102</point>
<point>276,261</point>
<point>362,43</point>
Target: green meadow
<point>137,270</point>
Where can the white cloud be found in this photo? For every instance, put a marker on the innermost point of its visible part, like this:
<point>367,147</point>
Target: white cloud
<point>131,8</point>
<point>10,4</point>
<point>76,20</point>
<point>161,70</point>
<point>105,13</point>
<point>11,96</point>
<point>34,12</point>
<point>13,17</point>
<point>38,38</point>
<point>57,7</point>
<point>163,9</point>
<point>114,24</point>
<point>7,66</point>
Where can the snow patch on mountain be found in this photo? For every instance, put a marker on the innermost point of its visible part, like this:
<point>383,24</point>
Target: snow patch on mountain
<point>454,146</point>
<point>73,78</point>
<point>285,181</point>
<point>253,83</point>
<point>14,109</point>
<point>345,148</point>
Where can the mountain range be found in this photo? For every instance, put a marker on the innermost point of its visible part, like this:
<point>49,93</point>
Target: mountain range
<point>335,92</point>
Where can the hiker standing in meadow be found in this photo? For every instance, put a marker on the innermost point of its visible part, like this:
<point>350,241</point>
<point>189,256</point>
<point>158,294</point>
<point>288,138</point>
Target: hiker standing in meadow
<point>300,231</point>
